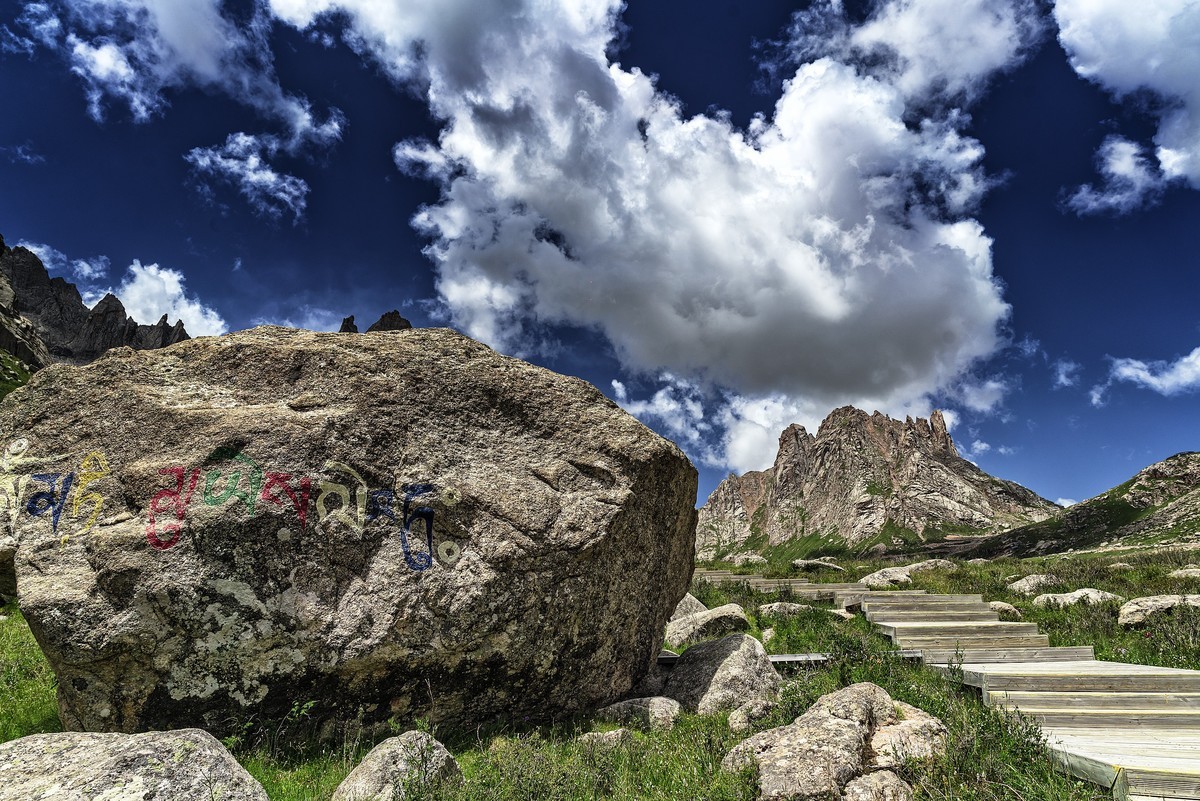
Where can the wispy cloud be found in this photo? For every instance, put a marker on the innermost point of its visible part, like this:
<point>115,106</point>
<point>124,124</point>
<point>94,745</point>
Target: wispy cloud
<point>244,162</point>
<point>1066,373</point>
<point>1164,377</point>
<point>22,154</point>
<point>85,272</point>
<point>1138,49</point>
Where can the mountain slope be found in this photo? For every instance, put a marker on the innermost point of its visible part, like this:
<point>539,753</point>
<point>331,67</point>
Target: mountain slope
<point>44,319</point>
<point>1159,505</point>
<point>863,480</point>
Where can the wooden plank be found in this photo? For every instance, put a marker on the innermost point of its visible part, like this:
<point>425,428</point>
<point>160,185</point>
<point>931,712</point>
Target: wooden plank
<point>938,629</point>
<point>945,656</point>
<point>955,616</point>
<point>1093,700</point>
<point>964,641</point>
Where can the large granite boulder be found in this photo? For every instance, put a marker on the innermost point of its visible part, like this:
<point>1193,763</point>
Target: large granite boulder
<point>392,525</point>
<point>706,625</point>
<point>1031,584</point>
<point>185,765</point>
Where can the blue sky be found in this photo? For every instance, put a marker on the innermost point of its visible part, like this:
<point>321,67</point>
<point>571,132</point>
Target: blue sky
<point>728,216</point>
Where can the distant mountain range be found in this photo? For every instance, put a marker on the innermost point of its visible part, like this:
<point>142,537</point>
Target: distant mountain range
<point>868,483</point>
<point>1159,505</point>
<point>44,319</point>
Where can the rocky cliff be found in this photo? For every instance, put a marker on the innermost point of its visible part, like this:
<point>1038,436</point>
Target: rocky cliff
<point>44,319</point>
<point>862,480</point>
<point>1159,505</point>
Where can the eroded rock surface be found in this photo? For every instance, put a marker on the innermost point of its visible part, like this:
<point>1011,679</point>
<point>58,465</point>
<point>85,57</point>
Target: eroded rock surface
<point>688,606</point>
<point>882,785</point>
<point>183,765</point>
<point>403,522</point>
<point>643,713</point>
<point>1031,584</point>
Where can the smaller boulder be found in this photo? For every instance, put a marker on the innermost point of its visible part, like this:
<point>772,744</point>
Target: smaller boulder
<point>1140,610</point>
<point>688,606</point>
<point>882,785</point>
<point>901,576</point>
<point>916,735</point>
<point>643,713</point>
<point>1005,609</point>
<point>723,674</point>
<point>979,561</point>
<point>768,635</point>
<point>1185,573</point>
<point>743,718</point>
<point>783,610</point>
<point>747,559</point>
<point>808,565</point>
<point>1120,566</point>
<point>395,768</point>
<point>600,740</point>
<point>1031,584</point>
<point>1087,595</point>
<point>179,765</point>
<point>706,625</point>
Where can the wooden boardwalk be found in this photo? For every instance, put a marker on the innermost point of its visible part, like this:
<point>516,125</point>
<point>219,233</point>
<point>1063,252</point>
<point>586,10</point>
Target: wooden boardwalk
<point>796,586</point>
<point>1133,728</point>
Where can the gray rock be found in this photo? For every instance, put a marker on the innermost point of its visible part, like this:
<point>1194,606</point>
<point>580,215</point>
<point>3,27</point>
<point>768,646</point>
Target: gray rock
<point>1031,584</point>
<point>1005,609</point>
<point>809,565</point>
<point>348,326</point>
<point>745,716</point>
<point>745,559</point>
<point>1185,572</point>
<point>979,560</point>
<point>783,610</point>
<point>399,767</point>
<point>643,713</point>
<point>723,674</point>
<point>914,735</point>
<point>901,576</point>
<point>1120,566</point>
<point>768,635</point>
<point>404,522</point>
<point>688,606</point>
<point>821,755</point>
<point>810,760</point>
<point>706,625</point>
<point>605,739</point>
<point>1140,610</point>
<point>1087,595</point>
<point>390,321</point>
<point>182,765</point>
<point>882,785</point>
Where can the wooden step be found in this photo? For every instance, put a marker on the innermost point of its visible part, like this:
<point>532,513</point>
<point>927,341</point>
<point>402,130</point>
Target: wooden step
<point>1137,784</point>
<point>952,616</point>
<point>922,601</point>
<point>1093,700</point>
<point>1084,676</point>
<point>937,629</point>
<point>1114,718</point>
<point>933,656</point>
<point>967,642</point>
<point>933,612</point>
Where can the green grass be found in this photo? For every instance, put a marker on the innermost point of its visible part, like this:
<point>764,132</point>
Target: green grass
<point>28,698</point>
<point>13,373</point>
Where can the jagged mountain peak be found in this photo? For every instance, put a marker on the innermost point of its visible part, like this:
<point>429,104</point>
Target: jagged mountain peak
<point>861,476</point>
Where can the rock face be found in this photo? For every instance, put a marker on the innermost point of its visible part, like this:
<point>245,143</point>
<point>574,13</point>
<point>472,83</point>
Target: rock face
<point>1161,501</point>
<point>57,324</point>
<point>399,767</point>
<point>862,478</point>
<point>404,523</point>
<point>185,765</point>
<point>390,321</point>
<point>1140,610</point>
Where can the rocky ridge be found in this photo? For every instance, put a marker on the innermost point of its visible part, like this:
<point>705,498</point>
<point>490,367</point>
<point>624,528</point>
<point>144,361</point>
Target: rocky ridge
<point>863,479</point>
<point>44,320</point>
<point>1159,505</point>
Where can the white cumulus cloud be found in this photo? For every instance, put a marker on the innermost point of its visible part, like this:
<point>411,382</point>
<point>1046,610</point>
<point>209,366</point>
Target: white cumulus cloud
<point>244,162</point>
<point>1136,48</point>
<point>148,292</point>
